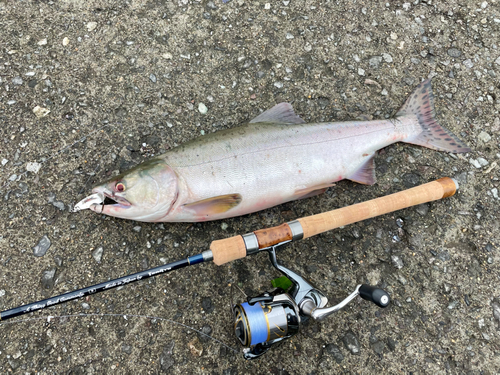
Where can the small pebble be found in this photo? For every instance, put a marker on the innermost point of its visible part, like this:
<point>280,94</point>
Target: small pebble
<point>361,71</point>
<point>48,278</point>
<point>374,61</point>
<point>4,161</point>
<point>475,163</point>
<point>17,81</point>
<point>335,352</point>
<point>41,247</point>
<point>91,26</point>
<point>351,343</point>
<point>496,310</point>
<point>454,52</point>
<point>137,229</point>
<point>152,78</point>
<point>397,261</point>
<point>483,162</point>
<point>423,209</point>
<point>40,111</point>
<point>33,166</point>
<point>278,84</point>
<point>202,108</point>
<point>195,347</point>
<point>59,205</point>
<point>42,42</point>
<point>97,254</point>
<point>484,137</point>
<point>378,347</point>
<point>206,304</point>
<point>468,63</point>
<point>85,306</point>
<point>387,57</point>
<point>65,41</point>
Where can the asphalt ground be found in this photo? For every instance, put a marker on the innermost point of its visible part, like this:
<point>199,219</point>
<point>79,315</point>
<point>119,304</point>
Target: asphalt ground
<point>88,88</point>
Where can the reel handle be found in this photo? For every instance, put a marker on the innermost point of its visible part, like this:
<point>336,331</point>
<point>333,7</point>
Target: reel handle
<point>378,296</point>
<point>238,247</point>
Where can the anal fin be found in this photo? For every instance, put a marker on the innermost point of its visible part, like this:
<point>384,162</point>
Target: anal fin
<point>215,205</point>
<point>366,173</point>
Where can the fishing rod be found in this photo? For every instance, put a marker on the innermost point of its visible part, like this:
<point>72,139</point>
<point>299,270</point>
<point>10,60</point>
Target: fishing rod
<point>276,315</point>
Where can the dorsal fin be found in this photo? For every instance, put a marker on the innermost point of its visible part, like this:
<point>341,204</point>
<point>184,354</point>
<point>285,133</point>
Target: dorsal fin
<point>282,113</point>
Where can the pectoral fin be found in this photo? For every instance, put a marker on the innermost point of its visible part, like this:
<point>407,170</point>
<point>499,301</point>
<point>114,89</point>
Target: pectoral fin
<point>282,113</point>
<point>215,205</point>
<point>366,173</point>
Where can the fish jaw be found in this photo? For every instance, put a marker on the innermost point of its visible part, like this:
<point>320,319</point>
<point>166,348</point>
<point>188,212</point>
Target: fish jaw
<point>109,209</point>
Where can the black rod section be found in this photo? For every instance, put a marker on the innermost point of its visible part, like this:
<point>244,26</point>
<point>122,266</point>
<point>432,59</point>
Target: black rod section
<point>52,301</point>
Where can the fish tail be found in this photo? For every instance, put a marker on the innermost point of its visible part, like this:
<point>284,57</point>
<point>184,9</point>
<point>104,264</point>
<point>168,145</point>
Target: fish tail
<point>433,135</point>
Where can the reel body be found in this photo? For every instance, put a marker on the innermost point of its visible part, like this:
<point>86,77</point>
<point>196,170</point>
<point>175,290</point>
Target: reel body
<point>274,316</point>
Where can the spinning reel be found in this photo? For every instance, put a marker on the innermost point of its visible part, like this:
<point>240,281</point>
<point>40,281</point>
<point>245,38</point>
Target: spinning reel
<point>274,316</point>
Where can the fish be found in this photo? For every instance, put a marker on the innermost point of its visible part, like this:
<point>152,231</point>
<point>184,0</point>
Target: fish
<point>272,159</point>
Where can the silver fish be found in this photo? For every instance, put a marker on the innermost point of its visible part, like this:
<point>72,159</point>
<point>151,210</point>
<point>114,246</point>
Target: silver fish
<point>275,158</point>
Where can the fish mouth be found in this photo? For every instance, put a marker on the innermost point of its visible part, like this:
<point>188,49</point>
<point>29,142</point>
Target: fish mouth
<point>113,200</point>
<point>102,198</point>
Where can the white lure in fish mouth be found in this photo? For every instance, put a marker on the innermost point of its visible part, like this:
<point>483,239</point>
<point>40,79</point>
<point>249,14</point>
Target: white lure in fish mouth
<point>101,198</point>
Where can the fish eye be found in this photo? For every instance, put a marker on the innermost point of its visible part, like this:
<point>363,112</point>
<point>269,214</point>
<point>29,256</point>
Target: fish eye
<point>120,186</point>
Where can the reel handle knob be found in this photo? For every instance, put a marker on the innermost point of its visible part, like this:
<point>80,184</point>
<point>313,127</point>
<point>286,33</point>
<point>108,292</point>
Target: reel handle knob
<point>376,295</point>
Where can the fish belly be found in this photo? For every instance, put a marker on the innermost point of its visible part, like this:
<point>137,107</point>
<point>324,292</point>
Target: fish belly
<point>269,164</point>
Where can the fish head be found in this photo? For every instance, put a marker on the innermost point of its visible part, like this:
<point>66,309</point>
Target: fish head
<point>146,192</point>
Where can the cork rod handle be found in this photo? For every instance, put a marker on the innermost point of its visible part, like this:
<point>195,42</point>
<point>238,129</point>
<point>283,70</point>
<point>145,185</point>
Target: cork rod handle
<point>234,248</point>
<point>431,191</point>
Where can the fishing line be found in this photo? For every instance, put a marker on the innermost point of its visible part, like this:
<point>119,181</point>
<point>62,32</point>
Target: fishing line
<point>125,316</point>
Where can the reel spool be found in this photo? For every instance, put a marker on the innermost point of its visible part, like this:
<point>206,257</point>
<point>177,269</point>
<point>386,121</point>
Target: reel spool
<point>272,317</point>
<point>265,320</point>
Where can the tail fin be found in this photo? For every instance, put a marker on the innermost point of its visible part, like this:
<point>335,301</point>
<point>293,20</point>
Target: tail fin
<point>421,104</point>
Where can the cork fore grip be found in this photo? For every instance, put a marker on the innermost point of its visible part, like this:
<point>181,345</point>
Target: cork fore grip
<point>228,249</point>
<point>315,224</point>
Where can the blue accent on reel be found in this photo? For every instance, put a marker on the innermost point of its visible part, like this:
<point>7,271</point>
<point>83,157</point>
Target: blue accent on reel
<point>257,323</point>
<point>195,259</point>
